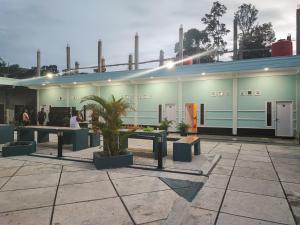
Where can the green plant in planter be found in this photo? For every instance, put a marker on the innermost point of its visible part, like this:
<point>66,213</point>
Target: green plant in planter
<point>165,124</point>
<point>183,128</point>
<point>107,118</point>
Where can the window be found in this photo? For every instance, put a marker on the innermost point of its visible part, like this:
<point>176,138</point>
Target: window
<point>201,114</point>
<point>269,114</point>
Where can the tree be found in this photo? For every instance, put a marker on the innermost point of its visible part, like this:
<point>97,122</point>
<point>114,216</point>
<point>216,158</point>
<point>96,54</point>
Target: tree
<point>246,17</point>
<point>215,29</point>
<point>195,42</point>
<point>107,118</point>
<point>255,40</point>
<point>2,62</point>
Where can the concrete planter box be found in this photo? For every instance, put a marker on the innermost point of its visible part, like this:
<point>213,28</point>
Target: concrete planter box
<point>106,162</point>
<point>18,148</point>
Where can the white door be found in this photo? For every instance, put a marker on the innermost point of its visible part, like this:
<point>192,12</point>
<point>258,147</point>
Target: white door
<point>284,119</point>
<point>170,114</point>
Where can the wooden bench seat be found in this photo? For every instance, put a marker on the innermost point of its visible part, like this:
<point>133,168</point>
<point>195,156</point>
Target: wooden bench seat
<point>182,149</point>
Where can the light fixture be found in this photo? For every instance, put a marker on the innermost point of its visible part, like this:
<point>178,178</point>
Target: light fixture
<point>203,73</point>
<point>151,77</point>
<point>266,69</point>
<point>170,64</point>
<point>109,80</point>
<point>75,82</point>
<point>44,84</point>
<point>50,75</point>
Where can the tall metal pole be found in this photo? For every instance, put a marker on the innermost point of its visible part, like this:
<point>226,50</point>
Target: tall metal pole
<point>136,51</point>
<point>298,30</point>
<point>76,67</point>
<point>130,62</point>
<point>99,56</point>
<point>235,39</point>
<point>180,53</point>
<point>161,58</point>
<point>38,63</point>
<point>68,50</point>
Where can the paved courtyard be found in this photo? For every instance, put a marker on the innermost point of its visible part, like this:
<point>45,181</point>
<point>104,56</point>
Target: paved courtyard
<point>251,184</point>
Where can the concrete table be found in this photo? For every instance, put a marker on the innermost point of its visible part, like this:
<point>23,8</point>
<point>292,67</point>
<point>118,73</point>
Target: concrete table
<point>6,133</point>
<point>78,137</point>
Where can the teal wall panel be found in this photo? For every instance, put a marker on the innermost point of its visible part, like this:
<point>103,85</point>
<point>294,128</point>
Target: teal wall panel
<point>56,97</point>
<point>77,93</point>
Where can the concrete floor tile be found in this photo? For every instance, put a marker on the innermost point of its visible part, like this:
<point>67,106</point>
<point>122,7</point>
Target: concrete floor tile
<point>226,219</point>
<point>229,155</point>
<point>217,181</point>
<point>83,176</point>
<point>85,192</point>
<point>226,162</point>
<point>288,173</point>
<point>106,212</point>
<point>292,190</point>
<point>7,172</point>
<point>40,216</point>
<point>4,162</point>
<point>209,198</point>
<point>32,181</point>
<point>25,199</point>
<point>222,170</point>
<point>253,164</point>
<point>258,207</point>
<point>137,185</point>
<point>257,173</point>
<point>148,207</point>
<point>116,175</point>
<point>254,152</point>
<point>183,213</point>
<point>255,186</point>
<point>159,222</point>
<point>256,147</point>
<point>3,180</point>
<point>254,158</point>
<point>39,169</point>
<point>73,168</point>
<point>292,161</point>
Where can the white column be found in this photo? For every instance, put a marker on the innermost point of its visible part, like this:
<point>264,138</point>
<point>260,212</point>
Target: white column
<point>180,53</point>
<point>136,104</point>
<point>38,63</point>
<point>136,51</point>
<point>99,56</point>
<point>179,101</point>
<point>234,106</point>
<point>68,98</point>
<point>38,100</point>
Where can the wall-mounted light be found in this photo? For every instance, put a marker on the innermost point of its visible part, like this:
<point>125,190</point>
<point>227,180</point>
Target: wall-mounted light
<point>266,69</point>
<point>109,80</point>
<point>74,82</point>
<point>43,84</point>
<point>203,73</point>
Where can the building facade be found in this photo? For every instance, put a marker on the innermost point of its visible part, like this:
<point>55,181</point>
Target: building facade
<point>250,97</point>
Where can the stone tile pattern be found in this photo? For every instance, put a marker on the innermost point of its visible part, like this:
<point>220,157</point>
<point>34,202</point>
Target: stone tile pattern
<point>249,186</point>
<point>252,184</point>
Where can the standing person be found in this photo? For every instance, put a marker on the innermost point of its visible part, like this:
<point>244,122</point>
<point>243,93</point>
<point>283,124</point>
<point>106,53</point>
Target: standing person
<point>41,117</point>
<point>25,118</point>
<point>74,120</point>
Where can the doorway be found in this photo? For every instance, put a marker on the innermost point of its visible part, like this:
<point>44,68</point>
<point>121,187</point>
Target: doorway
<point>191,116</point>
<point>170,114</point>
<point>2,113</point>
<point>284,119</point>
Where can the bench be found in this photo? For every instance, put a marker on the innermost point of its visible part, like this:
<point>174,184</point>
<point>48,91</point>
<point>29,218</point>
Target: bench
<point>182,149</point>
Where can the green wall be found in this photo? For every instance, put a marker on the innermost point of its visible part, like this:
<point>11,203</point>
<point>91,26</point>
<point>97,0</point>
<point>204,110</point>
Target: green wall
<point>218,108</point>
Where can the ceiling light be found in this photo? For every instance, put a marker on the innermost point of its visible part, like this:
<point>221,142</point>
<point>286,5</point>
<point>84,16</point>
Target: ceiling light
<point>203,73</point>
<point>74,82</point>
<point>266,69</point>
<point>43,84</point>
<point>109,80</point>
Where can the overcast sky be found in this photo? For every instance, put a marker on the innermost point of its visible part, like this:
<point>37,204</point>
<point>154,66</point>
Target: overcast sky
<point>49,25</point>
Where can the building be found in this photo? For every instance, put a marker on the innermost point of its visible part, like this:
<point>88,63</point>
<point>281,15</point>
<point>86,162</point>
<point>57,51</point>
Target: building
<point>257,97</point>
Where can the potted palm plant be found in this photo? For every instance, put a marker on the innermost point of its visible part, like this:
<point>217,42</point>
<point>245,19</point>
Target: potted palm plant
<point>106,117</point>
<point>165,124</point>
<point>183,128</point>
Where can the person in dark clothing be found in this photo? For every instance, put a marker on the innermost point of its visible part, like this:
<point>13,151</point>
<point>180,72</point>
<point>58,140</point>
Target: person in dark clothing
<point>41,117</point>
